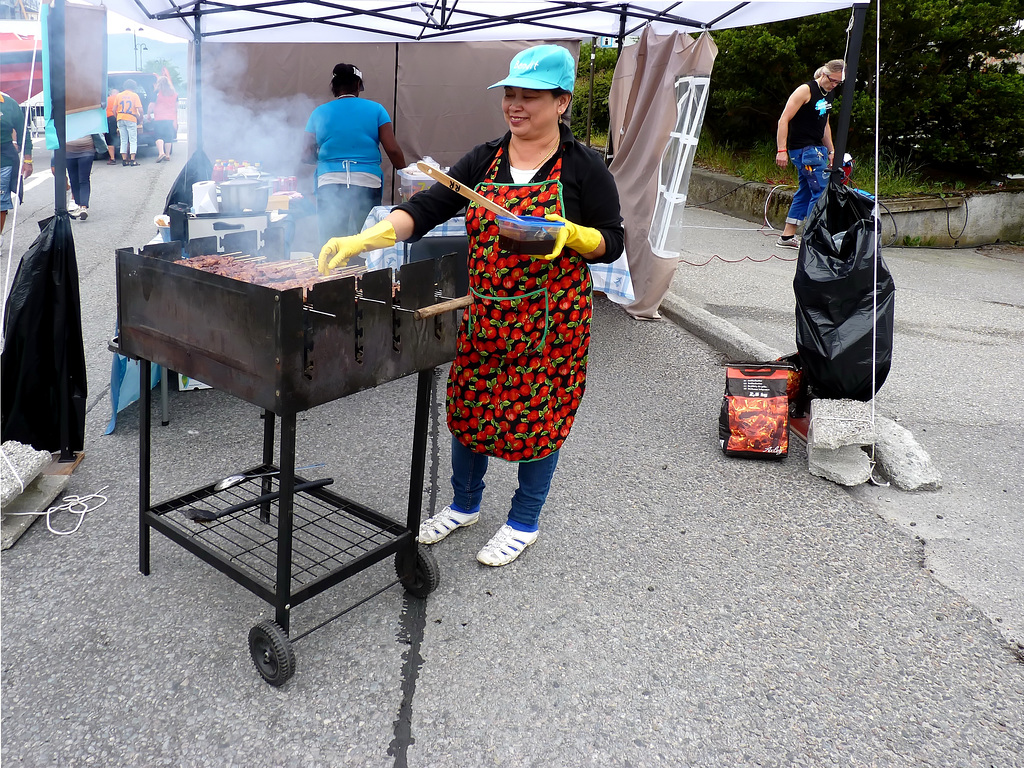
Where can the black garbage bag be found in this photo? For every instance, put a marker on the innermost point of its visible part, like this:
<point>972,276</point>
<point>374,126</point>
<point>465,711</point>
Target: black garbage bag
<point>835,285</point>
<point>42,368</point>
<point>198,168</point>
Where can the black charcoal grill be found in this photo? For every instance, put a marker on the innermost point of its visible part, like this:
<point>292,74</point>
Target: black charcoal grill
<point>282,537</point>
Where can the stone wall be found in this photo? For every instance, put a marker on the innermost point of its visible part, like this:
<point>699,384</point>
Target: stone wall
<point>973,219</point>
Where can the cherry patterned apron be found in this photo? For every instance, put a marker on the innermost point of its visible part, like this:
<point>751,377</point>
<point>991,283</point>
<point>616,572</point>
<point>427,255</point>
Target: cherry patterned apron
<point>521,359</point>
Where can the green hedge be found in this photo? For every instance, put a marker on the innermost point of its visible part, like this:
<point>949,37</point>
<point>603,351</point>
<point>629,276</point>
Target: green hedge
<point>951,93</point>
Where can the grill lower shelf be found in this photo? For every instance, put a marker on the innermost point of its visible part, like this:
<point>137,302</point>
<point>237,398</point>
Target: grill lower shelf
<point>329,532</point>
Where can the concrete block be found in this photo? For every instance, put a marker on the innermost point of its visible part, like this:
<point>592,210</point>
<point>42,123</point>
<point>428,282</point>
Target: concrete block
<point>837,423</point>
<point>22,512</point>
<point>26,461</point>
<point>902,459</point>
<point>846,465</point>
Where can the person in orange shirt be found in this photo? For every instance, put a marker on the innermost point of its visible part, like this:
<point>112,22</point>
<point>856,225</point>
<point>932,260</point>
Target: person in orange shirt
<point>129,115</point>
<point>111,134</point>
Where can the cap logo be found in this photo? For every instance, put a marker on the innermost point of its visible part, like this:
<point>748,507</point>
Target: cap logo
<point>524,65</point>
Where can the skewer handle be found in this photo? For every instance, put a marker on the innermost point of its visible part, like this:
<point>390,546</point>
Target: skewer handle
<point>445,306</point>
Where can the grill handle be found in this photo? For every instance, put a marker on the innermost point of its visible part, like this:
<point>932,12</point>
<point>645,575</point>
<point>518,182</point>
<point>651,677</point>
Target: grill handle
<point>445,306</point>
<point>220,226</point>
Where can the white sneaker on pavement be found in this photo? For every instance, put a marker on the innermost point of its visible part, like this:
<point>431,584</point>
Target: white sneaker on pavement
<point>791,242</point>
<point>435,528</point>
<point>505,546</point>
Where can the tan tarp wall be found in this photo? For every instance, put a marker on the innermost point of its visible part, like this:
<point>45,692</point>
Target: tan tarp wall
<point>257,97</point>
<point>85,58</point>
<point>642,103</point>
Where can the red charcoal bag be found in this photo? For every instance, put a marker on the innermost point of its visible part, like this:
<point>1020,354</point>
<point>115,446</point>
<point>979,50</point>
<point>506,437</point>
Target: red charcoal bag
<point>754,421</point>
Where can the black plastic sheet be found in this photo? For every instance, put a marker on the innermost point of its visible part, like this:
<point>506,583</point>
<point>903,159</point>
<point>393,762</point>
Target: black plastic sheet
<point>198,168</point>
<point>835,287</point>
<point>42,369</point>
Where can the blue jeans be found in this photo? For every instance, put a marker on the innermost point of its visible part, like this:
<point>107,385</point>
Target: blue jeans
<point>811,165</point>
<point>341,210</point>
<point>79,172</point>
<point>468,469</point>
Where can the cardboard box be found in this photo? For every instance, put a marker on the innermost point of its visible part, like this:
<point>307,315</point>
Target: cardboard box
<point>185,384</point>
<point>278,202</point>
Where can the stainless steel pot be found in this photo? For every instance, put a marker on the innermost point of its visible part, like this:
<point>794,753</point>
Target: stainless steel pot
<point>237,195</point>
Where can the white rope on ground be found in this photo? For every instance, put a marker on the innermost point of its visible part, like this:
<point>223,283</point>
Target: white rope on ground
<point>737,261</point>
<point>760,229</point>
<point>76,505</point>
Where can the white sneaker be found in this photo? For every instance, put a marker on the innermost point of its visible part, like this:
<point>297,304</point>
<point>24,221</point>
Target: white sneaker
<point>435,528</point>
<point>505,546</point>
<point>792,242</point>
<point>73,211</point>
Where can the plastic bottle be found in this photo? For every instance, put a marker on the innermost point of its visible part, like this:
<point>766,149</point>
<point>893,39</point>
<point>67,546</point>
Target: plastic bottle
<point>218,171</point>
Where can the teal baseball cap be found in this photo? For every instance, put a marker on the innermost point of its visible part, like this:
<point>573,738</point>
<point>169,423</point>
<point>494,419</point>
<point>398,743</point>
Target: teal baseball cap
<point>541,68</point>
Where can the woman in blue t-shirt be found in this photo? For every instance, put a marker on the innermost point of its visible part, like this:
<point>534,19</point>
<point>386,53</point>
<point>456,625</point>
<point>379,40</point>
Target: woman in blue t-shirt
<point>343,138</point>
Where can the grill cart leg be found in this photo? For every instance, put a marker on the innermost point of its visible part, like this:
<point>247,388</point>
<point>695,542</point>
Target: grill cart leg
<point>285,504</point>
<point>416,567</point>
<point>145,373</point>
<point>165,419</point>
<point>271,652</point>
<point>268,458</point>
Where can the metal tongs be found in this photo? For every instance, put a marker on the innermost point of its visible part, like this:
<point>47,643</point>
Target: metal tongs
<point>205,515</point>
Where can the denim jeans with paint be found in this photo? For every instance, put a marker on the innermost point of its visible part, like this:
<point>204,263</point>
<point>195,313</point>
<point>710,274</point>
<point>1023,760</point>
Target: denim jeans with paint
<point>128,131</point>
<point>811,164</point>
<point>468,469</point>
<point>341,209</point>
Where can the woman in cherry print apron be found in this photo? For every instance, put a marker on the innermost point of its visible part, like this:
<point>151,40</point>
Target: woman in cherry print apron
<point>520,367</point>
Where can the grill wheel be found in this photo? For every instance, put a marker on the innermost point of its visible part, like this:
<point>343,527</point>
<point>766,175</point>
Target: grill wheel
<point>272,652</point>
<point>426,575</point>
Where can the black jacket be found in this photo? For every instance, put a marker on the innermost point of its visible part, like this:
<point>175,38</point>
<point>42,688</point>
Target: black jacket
<point>588,190</point>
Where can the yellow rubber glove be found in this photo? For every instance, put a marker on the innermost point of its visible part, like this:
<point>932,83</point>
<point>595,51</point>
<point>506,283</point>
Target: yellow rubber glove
<point>338,250</point>
<point>581,239</point>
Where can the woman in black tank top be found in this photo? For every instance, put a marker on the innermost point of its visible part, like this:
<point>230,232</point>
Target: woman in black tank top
<point>805,139</point>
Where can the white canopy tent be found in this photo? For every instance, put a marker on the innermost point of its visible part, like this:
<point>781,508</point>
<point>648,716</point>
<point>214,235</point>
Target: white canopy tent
<point>377,21</point>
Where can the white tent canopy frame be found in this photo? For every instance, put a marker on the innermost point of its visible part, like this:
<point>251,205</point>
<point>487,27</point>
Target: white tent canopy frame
<point>379,21</point>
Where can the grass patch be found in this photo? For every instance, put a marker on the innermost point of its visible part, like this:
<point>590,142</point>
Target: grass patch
<point>598,139</point>
<point>897,176</point>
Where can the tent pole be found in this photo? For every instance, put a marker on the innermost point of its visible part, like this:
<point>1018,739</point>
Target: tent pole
<point>839,138</point>
<point>198,61</point>
<point>609,149</point>
<point>58,96</point>
<point>394,114</point>
<point>590,93</point>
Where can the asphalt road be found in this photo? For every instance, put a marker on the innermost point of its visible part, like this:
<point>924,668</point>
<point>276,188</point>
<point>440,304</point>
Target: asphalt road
<point>679,608</point>
<point>957,355</point>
